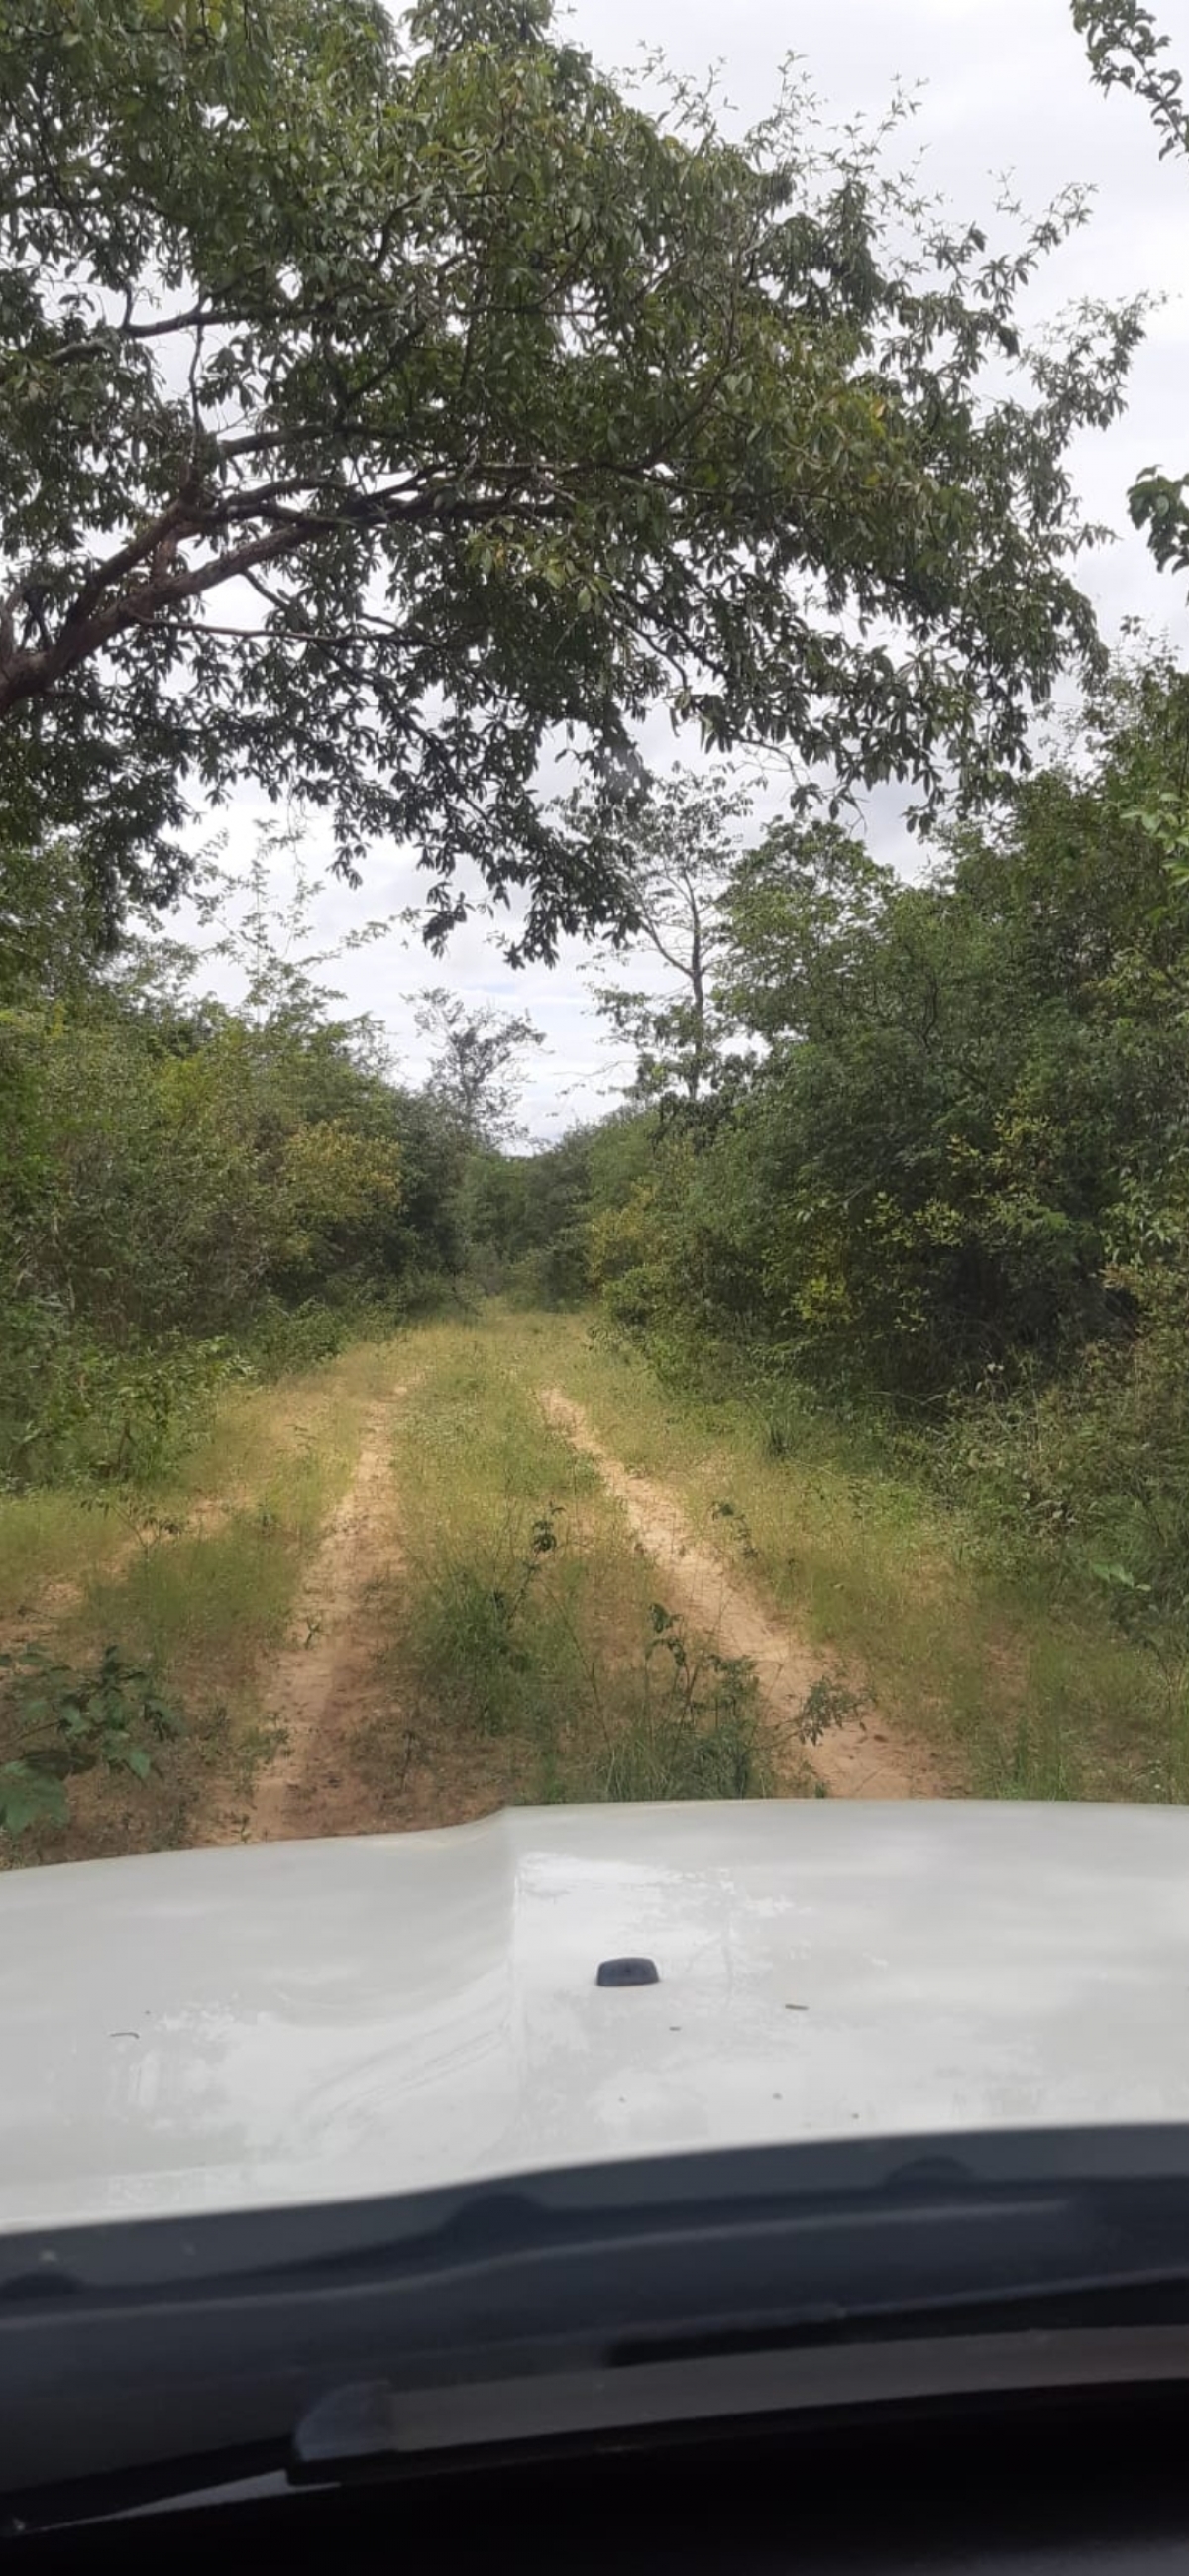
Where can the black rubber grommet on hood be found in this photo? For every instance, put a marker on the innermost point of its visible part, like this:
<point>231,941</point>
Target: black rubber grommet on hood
<point>628,1972</point>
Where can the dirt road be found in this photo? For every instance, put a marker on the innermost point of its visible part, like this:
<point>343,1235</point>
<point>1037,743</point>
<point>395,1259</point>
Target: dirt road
<point>359,1744</point>
<point>489,1562</point>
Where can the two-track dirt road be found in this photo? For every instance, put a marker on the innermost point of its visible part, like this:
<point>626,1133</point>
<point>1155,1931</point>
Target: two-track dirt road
<point>356,1749</point>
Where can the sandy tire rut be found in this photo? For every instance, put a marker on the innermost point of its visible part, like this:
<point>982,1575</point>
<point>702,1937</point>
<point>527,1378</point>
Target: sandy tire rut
<point>320,1687</point>
<point>858,1759</point>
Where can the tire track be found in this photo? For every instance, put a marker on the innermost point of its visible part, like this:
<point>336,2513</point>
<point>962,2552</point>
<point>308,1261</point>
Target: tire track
<point>857,1759</point>
<point>322,1686</point>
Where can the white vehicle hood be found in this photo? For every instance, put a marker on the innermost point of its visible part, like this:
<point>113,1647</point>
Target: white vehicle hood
<point>317,2021</point>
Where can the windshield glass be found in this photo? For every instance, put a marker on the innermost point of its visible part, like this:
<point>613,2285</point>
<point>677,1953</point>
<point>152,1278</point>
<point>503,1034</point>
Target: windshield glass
<point>594,1069</point>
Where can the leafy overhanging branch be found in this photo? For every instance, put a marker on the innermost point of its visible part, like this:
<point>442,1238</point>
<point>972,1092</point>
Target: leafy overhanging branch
<point>382,409</point>
<point>1127,50</point>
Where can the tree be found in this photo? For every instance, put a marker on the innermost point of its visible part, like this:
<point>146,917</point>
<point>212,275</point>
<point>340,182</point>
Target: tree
<point>264,928</point>
<point>382,405</point>
<point>174,1171</point>
<point>669,853</point>
<point>476,1076</point>
<point>530,1219</point>
<point>964,1146</point>
<point>1128,51</point>
<point>525,1219</point>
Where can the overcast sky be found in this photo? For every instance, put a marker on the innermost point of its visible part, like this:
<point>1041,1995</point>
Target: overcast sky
<point>1007,92</point>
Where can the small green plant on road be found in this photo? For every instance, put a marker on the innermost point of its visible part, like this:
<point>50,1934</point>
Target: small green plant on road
<point>696,1732</point>
<point>67,1722</point>
<point>827,1703</point>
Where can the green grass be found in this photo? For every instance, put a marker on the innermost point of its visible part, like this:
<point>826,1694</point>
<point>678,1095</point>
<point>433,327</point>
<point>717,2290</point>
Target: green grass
<point>524,1642</point>
<point>526,1648</point>
<point>195,1580</point>
<point>1027,1695</point>
<point>252,1456</point>
<point>50,1538</point>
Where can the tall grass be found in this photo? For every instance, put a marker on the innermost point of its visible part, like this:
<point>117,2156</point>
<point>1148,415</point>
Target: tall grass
<point>51,1538</point>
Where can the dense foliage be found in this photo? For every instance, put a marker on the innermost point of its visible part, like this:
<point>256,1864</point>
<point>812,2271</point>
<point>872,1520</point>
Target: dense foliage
<point>528,1219</point>
<point>942,1168</point>
<point>381,402</point>
<point>183,1186</point>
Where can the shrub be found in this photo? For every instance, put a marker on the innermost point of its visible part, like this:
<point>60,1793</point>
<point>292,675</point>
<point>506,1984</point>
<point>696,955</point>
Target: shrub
<point>695,1732</point>
<point>66,1722</point>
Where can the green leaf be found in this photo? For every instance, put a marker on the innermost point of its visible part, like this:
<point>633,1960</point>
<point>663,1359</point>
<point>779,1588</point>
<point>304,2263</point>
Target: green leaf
<point>28,1800</point>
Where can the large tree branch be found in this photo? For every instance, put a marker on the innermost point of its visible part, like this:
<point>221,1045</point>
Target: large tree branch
<point>89,625</point>
<point>171,522</point>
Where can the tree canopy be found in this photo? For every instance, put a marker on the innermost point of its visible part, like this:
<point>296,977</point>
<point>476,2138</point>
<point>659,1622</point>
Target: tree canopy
<point>383,406</point>
<point>958,1142</point>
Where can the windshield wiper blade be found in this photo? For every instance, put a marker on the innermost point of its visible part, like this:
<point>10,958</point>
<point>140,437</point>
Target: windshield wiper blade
<point>1095,2332</point>
<point>161,2485</point>
<point>1158,2294</point>
<point>374,2430</point>
<point>648,2388</point>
